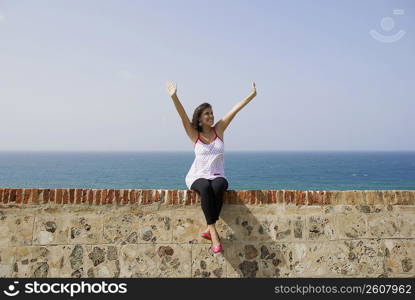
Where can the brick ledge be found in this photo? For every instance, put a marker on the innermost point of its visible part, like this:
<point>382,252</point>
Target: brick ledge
<point>22,196</point>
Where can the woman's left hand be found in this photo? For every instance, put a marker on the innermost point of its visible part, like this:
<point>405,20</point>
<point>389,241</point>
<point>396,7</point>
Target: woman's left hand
<point>253,92</point>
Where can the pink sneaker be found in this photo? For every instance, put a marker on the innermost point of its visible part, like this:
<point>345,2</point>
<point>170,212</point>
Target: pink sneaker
<point>206,235</point>
<point>216,249</point>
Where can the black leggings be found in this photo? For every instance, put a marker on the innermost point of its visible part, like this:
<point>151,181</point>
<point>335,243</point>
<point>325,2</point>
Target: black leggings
<point>211,191</point>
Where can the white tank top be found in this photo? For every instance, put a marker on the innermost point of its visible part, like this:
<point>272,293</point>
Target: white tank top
<point>209,160</point>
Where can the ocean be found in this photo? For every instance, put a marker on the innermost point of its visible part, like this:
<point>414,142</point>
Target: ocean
<point>305,170</point>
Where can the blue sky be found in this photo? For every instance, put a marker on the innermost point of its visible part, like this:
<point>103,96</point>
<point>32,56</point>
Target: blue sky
<point>91,75</point>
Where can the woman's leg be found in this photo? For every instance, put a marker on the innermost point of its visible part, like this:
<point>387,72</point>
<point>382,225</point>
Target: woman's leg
<point>203,186</point>
<point>219,186</point>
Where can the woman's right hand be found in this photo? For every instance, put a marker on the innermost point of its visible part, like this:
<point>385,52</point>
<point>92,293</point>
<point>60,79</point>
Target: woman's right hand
<point>171,88</point>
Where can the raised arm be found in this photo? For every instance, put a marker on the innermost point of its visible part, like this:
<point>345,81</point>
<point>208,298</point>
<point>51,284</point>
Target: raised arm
<point>224,122</point>
<point>172,90</point>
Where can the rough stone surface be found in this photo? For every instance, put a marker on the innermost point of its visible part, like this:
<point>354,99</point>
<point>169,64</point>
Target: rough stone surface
<point>355,234</point>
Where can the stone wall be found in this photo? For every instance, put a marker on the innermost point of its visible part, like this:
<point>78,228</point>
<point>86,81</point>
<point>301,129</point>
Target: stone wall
<point>155,233</point>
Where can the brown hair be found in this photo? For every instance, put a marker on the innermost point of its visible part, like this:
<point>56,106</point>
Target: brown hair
<point>196,115</point>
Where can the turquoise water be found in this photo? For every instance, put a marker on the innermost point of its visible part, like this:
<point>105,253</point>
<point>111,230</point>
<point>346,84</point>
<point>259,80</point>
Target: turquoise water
<point>244,170</point>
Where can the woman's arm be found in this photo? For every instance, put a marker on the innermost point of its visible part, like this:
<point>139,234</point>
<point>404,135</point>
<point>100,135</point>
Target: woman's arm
<point>172,90</point>
<point>224,122</point>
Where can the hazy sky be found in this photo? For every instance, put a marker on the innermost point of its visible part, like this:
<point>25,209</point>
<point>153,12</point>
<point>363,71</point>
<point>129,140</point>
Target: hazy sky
<point>91,75</point>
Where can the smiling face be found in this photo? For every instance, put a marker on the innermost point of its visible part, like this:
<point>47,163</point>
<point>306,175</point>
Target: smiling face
<point>207,118</point>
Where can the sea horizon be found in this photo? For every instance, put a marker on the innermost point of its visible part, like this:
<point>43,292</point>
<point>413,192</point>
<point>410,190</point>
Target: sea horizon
<point>244,170</point>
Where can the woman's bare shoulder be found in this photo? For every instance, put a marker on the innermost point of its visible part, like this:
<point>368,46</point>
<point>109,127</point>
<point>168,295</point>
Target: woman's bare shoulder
<point>219,130</point>
<point>192,133</point>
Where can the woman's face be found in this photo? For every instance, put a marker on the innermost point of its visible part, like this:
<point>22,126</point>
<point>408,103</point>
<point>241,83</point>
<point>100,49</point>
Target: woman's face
<point>206,118</point>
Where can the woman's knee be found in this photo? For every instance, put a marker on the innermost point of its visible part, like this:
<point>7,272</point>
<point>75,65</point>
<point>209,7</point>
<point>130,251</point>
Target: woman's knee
<point>220,183</point>
<point>201,184</point>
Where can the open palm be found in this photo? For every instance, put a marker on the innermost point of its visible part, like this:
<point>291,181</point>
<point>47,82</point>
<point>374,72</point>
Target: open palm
<point>171,88</point>
<point>253,91</point>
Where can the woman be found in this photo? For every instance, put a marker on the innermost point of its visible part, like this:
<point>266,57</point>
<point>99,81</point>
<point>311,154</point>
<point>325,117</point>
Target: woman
<point>207,175</point>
